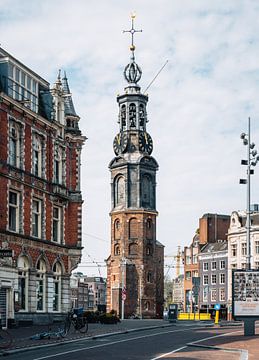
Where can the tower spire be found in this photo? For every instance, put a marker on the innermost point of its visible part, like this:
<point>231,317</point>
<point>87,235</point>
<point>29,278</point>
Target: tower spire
<point>132,31</point>
<point>132,71</point>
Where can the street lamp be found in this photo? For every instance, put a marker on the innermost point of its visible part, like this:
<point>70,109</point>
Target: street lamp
<point>252,159</point>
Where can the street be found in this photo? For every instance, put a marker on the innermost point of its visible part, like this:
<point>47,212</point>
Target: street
<point>153,344</point>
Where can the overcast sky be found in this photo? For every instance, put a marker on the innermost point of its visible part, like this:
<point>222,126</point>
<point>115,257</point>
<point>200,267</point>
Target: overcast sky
<point>198,106</point>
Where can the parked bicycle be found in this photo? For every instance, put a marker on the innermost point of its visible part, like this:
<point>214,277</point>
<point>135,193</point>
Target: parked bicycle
<point>75,317</point>
<point>6,339</point>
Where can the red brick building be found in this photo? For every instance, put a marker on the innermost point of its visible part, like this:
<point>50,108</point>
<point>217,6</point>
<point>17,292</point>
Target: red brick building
<point>41,202</point>
<point>135,267</point>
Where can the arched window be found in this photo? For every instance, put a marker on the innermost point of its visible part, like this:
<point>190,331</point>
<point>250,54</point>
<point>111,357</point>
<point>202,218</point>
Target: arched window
<point>141,116</point>
<point>14,146</point>
<point>133,249</point>
<point>132,115</point>
<point>23,279</point>
<point>148,250</point>
<point>133,228</point>
<point>120,191</point>
<point>147,305</point>
<point>117,227</point>
<point>117,249</point>
<point>149,277</point>
<point>37,156</point>
<point>40,285</point>
<point>149,229</point>
<point>57,271</point>
<point>123,117</point>
<point>146,191</point>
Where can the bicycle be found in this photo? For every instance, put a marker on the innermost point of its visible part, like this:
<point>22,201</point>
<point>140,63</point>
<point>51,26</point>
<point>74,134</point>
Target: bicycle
<point>76,318</point>
<point>58,333</point>
<point>6,339</point>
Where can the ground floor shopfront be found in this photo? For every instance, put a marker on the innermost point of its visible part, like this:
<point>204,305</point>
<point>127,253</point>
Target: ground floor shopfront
<point>35,283</point>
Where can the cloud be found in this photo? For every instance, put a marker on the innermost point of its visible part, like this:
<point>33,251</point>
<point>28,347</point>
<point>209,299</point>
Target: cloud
<point>198,106</point>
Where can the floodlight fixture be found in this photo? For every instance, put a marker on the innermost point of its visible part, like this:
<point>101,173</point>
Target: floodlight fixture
<point>254,153</point>
<point>245,141</point>
<point>252,145</point>
<point>242,136</point>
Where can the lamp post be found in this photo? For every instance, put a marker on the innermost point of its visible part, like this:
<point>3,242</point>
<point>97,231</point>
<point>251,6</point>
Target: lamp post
<point>252,159</point>
<point>123,288</point>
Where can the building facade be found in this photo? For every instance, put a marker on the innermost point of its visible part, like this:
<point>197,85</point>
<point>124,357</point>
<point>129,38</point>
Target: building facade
<point>41,207</point>
<point>211,228</point>
<point>237,246</point>
<point>135,266</point>
<point>213,263</point>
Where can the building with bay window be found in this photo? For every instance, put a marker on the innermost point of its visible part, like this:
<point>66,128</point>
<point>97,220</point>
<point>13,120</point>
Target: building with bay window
<point>41,201</point>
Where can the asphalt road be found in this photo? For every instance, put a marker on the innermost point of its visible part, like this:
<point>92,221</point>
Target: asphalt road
<point>145,345</point>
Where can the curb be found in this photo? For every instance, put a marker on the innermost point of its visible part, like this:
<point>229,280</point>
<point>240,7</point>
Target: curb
<point>243,353</point>
<point>94,337</point>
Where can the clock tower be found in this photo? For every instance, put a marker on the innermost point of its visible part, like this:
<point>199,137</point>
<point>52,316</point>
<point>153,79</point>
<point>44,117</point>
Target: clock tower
<point>135,265</point>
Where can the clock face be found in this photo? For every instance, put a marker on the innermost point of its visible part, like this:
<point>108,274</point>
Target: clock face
<point>145,142</point>
<point>120,143</point>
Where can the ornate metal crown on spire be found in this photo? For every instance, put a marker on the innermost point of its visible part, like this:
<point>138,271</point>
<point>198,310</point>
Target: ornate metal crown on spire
<point>132,71</point>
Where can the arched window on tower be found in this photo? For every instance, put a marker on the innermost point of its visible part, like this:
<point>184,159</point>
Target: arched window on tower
<point>117,250</point>
<point>117,227</point>
<point>147,305</point>
<point>149,229</point>
<point>148,250</point>
<point>123,117</point>
<point>149,277</point>
<point>133,249</point>
<point>120,191</point>
<point>133,228</point>
<point>141,117</point>
<point>132,115</point>
<point>146,191</point>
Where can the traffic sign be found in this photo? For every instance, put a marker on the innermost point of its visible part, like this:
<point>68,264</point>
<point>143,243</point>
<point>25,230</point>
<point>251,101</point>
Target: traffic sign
<point>217,307</point>
<point>124,294</point>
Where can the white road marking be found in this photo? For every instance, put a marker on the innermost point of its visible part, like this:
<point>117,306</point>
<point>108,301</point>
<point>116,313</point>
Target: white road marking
<point>171,352</point>
<point>194,342</point>
<point>112,343</point>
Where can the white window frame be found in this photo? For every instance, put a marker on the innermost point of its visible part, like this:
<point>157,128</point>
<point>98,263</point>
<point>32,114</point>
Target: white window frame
<point>213,295</point>
<point>243,249</point>
<point>23,273</point>
<point>222,264</point>
<point>234,250</point>
<point>205,277</point>
<point>15,139</point>
<point>205,266</point>
<point>36,218</point>
<point>41,286</point>
<point>56,224</point>
<point>222,278</point>
<point>214,265</point>
<point>213,276</point>
<point>222,294</point>
<point>57,271</point>
<point>16,208</point>
<point>37,156</point>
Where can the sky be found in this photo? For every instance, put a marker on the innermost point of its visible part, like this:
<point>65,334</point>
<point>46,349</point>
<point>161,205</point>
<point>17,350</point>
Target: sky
<point>198,105</point>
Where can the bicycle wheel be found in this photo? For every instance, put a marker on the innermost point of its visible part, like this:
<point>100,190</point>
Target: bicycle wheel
<point>84,326</point>
<point>5,339</point>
